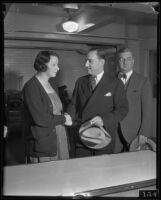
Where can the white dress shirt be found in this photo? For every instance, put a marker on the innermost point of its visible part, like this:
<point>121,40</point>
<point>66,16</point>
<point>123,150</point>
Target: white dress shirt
<point>98,77</point>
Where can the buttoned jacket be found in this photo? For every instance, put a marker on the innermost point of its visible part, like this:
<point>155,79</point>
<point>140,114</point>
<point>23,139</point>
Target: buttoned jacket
<point>139,118</point>
<point>108,100</point>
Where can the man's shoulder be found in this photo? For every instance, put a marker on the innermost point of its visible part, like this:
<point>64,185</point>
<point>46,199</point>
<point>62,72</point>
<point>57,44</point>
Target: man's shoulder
<point>83,78</point>
<point>140,81</point>
<point>139,76</point>
<point>114,79</point>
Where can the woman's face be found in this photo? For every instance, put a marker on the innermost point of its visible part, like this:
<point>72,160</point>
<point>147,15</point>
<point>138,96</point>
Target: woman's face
<point>52,66</point>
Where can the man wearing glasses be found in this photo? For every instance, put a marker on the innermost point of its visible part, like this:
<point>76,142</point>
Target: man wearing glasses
<point>139,94</point>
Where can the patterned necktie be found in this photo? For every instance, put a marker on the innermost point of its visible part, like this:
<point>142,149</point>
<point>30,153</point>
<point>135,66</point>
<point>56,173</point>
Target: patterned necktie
<point>93,82</point>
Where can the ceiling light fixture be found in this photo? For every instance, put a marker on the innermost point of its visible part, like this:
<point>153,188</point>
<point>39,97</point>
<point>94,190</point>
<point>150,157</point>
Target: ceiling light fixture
<point>70,26</point>
<point>71,5</point>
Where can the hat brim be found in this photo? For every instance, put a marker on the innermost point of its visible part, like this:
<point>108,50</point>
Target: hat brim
<point>94,137</point>
<point>142,143</point>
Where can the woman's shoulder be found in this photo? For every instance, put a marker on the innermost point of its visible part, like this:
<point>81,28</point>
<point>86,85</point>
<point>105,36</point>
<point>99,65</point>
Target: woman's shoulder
<point>31,83</point>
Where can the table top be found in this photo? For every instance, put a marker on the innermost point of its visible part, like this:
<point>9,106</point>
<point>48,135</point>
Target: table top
<point>70,177</point>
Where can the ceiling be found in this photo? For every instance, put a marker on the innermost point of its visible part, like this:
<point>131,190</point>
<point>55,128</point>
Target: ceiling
<point>99,14</point>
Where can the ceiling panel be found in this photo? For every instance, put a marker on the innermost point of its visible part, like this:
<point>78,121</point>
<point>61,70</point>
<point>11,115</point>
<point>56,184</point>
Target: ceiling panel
<point>101,14</point>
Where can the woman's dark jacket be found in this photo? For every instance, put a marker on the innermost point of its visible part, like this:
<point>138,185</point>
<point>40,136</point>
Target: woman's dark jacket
<point>39,121</point>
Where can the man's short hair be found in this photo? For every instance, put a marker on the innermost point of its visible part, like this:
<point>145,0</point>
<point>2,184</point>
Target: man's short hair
<point>100,53</point>
<point>123,50</point>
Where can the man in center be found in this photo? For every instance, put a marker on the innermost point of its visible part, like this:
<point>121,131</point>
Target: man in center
<point>99,97</point>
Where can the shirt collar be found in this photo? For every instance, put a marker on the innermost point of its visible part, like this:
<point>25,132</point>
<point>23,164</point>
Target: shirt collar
<point>128,74</point>
<point>99,76</point>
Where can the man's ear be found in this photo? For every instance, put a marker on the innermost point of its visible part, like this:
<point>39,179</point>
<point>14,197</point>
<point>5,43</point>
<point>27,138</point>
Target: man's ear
<point>102,61</point>
<point>133,61</point>
<point>117,69</point>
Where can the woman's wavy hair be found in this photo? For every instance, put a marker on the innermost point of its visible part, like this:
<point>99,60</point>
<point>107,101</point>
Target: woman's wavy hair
<point>42,58</point>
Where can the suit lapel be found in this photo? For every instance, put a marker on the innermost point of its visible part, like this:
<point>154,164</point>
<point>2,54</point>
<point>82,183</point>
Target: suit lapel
<point>101,88</point>
<point>132,83</point>
<point>86,88</point>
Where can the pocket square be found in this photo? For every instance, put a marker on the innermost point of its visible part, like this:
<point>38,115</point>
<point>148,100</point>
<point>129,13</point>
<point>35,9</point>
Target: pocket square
<point>108,94</point>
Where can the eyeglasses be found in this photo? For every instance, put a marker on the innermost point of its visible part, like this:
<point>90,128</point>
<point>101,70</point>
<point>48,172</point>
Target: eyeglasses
<point>129,59</point>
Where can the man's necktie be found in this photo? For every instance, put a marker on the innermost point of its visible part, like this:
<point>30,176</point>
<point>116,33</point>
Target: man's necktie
<point>124,76</point>
<point>93,82</point>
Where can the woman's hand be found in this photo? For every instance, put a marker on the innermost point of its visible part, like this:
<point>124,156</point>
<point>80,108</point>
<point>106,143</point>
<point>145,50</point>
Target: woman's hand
<point>68,119</point>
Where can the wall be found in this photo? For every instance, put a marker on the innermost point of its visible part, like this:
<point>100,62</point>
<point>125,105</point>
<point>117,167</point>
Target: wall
<point>20,58</point>
<point>149,43</point>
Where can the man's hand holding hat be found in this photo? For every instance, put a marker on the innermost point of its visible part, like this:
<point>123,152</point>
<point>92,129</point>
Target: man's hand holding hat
<point>97,121</point>
<point>93,135</point>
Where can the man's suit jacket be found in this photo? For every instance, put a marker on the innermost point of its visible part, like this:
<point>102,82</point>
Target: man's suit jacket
<point>139,118</point>
<point>108,100</point>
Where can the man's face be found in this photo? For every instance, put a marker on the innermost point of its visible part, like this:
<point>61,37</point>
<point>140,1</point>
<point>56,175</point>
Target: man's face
<point>94,64</point>
<point>125,62</point>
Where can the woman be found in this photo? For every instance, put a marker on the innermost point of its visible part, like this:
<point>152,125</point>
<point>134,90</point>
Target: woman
<point>45,133</point>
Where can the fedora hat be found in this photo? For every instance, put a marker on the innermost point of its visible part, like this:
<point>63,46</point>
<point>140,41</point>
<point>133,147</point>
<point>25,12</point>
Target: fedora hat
<point>142,142</point>
<point>94,137</point>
